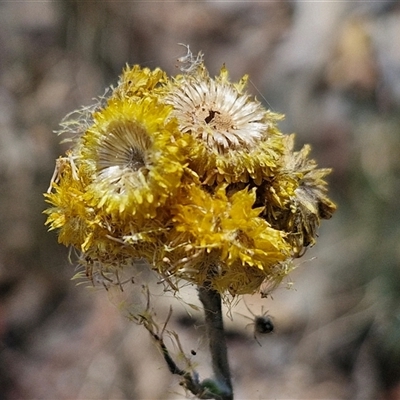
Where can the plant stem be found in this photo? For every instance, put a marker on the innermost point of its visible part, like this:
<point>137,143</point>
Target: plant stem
<point>211,301</point>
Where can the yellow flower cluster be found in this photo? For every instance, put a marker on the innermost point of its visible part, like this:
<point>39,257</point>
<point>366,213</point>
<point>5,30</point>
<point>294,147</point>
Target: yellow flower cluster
<point>191,175</point>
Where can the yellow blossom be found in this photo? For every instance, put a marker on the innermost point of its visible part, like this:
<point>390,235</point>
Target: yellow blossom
<point>190,176</point>
<point>136,156</point>
<point>69,213</point>
<point>136,82</point>
<point>228,233</point>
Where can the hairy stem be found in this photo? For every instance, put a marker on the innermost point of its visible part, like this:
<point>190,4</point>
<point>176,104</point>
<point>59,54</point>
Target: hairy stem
<point>211,301</point>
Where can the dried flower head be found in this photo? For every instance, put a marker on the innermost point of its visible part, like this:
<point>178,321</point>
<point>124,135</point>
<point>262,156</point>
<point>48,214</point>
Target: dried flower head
<point>192,177</point>
<point>236,138</point>
<point>295,200</point>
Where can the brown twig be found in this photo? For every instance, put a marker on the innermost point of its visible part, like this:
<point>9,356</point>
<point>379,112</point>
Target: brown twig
<point>219,388</point>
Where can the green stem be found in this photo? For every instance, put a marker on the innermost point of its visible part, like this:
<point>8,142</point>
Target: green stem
<point>211,301</point>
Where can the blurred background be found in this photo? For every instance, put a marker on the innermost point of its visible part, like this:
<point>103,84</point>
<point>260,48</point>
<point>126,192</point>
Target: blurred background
<point>334,69</point>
